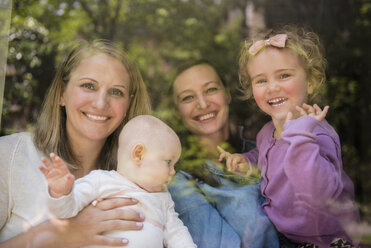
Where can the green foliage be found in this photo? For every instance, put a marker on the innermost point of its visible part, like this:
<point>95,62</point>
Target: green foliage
<point>194,160</point>
<point>159,35</point>
<point>30,61</point>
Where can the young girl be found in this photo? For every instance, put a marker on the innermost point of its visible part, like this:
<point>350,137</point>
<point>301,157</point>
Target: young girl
<point>309,196</point>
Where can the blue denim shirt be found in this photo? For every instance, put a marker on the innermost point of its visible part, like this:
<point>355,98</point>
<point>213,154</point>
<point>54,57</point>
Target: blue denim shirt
<point>226,216</point>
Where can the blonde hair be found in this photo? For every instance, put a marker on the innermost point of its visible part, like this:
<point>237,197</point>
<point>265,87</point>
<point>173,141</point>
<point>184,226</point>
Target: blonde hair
<point>50,131</point>
<point>304,43</point>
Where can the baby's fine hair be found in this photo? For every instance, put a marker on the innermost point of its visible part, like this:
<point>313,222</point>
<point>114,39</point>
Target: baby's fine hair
<point>303,42</point>
<point>146,129</point>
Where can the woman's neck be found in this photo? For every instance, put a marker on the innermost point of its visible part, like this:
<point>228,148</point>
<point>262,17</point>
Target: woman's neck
<point>211,141</point>
<point>87,153</point>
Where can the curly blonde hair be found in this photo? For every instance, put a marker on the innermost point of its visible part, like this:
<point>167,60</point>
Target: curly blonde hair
<point>306,44</point>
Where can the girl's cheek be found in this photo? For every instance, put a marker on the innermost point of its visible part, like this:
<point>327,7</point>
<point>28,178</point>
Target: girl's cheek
<point>257,94</point>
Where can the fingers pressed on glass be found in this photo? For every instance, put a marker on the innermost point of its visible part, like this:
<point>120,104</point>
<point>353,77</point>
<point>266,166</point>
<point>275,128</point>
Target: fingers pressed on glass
<point>46,162</point>
<point>221,150</point>
<point>301,111</point>
<point>44,170</point>
<point>223,154</point>
<point>235,162</point>
<point>323,113</point>
<point>58,162</point>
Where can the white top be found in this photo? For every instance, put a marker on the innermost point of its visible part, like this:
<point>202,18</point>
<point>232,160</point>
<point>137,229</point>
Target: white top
<point>23,189</point>
<point>161,226</point>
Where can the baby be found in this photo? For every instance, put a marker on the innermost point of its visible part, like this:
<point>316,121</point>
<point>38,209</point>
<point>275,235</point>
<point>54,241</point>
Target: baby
<point>147,152</point>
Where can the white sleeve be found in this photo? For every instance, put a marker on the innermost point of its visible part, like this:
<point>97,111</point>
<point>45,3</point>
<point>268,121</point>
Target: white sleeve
<point>176,234</point>
<point>7,148</point>
<point>85,190</point>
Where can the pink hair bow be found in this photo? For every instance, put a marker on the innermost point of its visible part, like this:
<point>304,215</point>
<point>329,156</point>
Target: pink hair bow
<point>278,40</point>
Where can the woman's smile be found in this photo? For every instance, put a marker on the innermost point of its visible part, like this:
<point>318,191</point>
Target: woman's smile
<point>96,117</point>
<point>206,117</point>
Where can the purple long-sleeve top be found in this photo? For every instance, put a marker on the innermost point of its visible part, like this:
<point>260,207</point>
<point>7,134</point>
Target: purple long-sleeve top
<point>309,196</point>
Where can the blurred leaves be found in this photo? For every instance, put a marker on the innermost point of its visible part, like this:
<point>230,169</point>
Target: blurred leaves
<point>159,35</point>
<point>196,161</point>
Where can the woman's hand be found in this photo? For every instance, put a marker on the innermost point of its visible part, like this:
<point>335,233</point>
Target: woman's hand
<point>235,162</point>
<point>84,229</point>
<point>87,227</point>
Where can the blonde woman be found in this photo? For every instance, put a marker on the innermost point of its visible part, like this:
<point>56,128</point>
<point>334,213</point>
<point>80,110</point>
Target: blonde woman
<point>96,90</point>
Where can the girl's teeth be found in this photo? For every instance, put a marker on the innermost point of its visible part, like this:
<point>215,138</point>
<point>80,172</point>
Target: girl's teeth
<point>95,117</point>
<point>208,116</point>
<point>277,101</point>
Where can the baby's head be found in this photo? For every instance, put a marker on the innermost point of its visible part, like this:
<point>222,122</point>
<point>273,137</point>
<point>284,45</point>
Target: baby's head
<point>148,150</point>
<point>305,44</point>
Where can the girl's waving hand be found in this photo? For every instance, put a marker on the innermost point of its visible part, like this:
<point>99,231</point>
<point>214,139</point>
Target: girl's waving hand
<point>235,162</point>
<point>314,111</point>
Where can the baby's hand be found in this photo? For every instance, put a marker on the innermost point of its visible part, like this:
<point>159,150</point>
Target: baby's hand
<point>235,162</point>
<point>314,111</point>
<point>60,179</point>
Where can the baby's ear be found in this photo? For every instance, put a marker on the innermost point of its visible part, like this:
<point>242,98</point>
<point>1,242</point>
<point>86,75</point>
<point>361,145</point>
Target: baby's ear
<point>137,153</point>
